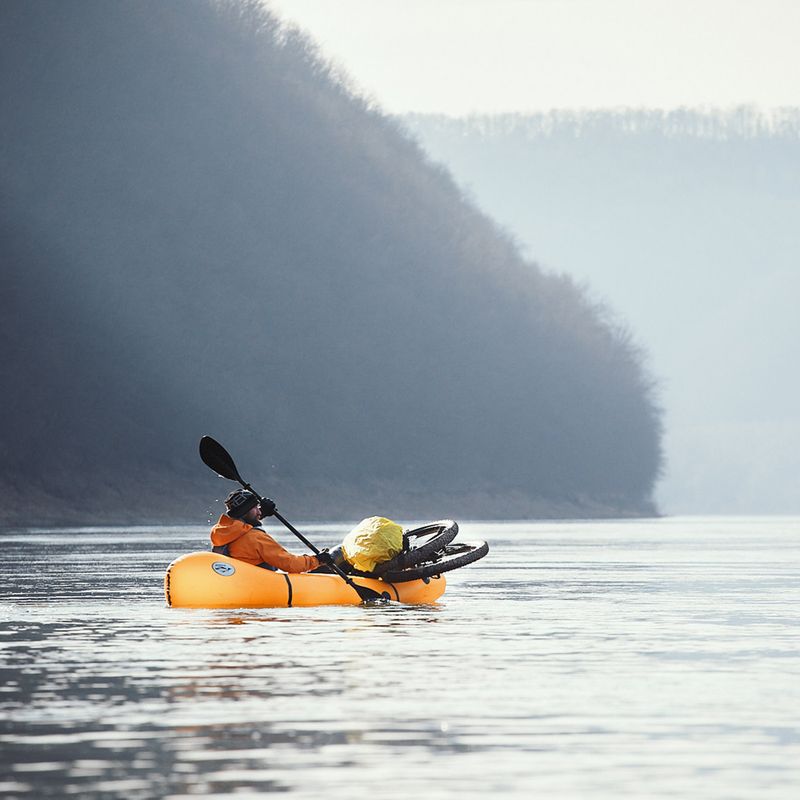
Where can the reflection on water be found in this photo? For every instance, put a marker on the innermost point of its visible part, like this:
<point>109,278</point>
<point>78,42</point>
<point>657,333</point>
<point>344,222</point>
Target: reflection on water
<point>640,659</point>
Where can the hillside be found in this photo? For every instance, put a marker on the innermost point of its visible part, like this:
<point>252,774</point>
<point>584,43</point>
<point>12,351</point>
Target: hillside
<point>685,222</point>
<point>205,231</point>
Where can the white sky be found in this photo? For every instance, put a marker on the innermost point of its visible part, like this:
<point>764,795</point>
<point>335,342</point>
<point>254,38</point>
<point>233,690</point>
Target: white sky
<point>463,56</point>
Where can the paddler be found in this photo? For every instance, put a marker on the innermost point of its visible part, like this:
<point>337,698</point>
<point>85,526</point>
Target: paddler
<point>239,534</point>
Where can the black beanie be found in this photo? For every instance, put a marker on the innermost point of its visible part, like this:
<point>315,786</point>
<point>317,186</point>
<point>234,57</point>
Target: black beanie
<point>239,502</point>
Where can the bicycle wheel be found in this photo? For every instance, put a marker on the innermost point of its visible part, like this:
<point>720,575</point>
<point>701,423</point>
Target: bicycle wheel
<point>421,543</point>
<point>452,556</point>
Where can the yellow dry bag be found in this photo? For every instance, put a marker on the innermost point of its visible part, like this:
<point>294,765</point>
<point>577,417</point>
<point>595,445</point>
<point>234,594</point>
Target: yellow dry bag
<point>373,541</point>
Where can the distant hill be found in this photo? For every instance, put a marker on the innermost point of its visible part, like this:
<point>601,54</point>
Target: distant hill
<point>686,223</point>
<point>204,231</point>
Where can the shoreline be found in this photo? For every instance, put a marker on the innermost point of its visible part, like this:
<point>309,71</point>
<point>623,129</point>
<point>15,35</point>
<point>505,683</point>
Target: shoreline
<point>331,505</point>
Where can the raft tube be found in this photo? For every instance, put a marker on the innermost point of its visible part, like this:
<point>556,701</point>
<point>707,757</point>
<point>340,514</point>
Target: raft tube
<point>208,580</point>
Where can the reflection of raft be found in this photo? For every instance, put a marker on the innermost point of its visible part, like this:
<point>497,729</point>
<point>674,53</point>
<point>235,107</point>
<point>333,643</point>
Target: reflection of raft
<point>208,580</point>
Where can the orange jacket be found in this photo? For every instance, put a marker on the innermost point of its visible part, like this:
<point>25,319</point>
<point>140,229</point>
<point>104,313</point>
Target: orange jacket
<point>255,546</point>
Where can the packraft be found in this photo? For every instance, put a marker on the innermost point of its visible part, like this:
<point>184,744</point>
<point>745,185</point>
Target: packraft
<point>414,575</point>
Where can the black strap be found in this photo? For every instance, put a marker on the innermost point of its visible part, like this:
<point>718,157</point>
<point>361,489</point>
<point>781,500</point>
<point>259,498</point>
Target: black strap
<point>289,584</point>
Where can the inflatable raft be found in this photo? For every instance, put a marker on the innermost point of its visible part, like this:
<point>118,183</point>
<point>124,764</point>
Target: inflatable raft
<point>208,580</point>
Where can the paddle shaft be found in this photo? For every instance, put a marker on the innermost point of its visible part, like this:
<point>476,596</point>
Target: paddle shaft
<point>285,521</point>
<point>217,458</point>
<point>363,592</point>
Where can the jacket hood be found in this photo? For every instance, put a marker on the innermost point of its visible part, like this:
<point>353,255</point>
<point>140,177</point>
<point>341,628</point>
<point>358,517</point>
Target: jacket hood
<point>228,530</point>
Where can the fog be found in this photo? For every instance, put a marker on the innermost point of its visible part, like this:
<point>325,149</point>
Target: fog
<point>685,223</point>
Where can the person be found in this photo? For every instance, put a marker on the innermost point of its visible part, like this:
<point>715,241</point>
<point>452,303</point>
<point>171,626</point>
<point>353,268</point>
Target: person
<point>239,534</point>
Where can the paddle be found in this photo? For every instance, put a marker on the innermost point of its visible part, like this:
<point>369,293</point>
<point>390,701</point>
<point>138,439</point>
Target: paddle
<point>217,458</point>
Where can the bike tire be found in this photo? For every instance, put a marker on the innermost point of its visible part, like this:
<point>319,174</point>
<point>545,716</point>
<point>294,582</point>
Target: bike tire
<point>421,543</point>
<point>451,557</point>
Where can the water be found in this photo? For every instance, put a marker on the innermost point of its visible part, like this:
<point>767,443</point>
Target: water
<point>656,659</point>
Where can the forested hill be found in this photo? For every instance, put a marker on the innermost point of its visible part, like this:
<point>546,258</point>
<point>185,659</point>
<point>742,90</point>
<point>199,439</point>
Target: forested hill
<point>205,231</point>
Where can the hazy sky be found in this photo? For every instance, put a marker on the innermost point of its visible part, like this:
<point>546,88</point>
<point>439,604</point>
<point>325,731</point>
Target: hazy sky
<point>463,56</point>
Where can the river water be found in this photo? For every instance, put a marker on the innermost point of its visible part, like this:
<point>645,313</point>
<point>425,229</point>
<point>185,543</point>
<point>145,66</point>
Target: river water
<point>643,659</point>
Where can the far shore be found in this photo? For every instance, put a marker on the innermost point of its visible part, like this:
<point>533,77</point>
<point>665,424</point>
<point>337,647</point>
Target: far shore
<point>158,506</point>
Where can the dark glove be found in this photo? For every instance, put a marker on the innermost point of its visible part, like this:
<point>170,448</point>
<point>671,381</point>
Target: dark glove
<point>325,557</point>
<point>267,507</point>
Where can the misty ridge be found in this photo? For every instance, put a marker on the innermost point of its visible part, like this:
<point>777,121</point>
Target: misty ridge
<point>718,125</point>
<point>685,223</point>
<point>204,231</point>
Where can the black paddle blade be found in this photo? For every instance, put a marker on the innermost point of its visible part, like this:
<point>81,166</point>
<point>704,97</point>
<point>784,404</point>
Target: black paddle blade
<point>216,457</point>
<point>369,595</point>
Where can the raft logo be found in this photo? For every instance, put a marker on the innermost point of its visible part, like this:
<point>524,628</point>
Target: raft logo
<point>221,568</point>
